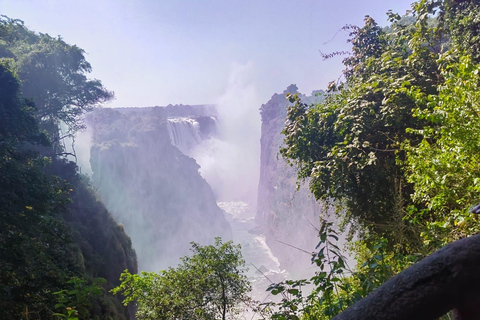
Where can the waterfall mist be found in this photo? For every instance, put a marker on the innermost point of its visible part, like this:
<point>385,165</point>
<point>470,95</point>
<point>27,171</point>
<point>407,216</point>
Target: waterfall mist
<point>166,174</point>
<point>230,162</point>
<point>151,186</point>
<point>83,143</point>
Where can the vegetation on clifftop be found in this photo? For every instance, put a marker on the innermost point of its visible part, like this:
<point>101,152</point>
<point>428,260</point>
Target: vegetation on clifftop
<point>395,145</point>
<point>210,284</point>
<point>56,239</point>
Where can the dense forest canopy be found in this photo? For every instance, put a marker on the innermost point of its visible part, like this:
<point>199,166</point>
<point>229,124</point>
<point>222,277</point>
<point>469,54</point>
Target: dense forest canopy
<point>57,241</point>
<point>395,146</point>
<point>401,123</point>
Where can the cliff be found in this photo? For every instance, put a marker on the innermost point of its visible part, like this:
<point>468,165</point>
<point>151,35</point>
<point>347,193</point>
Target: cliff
<point>152,187</point>
<point>55,236</point>
<point>106,250</point>
<point>286,215</point>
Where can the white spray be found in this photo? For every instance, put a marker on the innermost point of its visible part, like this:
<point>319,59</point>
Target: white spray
<point>230,163</point>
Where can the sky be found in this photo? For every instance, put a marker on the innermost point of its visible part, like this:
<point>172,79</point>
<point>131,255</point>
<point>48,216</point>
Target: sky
<point>160,52</point>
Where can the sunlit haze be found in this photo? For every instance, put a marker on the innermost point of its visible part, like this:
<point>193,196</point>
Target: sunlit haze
<point>170,52</point>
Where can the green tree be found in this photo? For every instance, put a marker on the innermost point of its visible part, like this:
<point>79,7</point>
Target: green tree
<point>37,253</point>
<point>210,284</point>
<point>350,144</point>
<point>353,146</point>
<point>78,300</point>
<point>396,144</point>
<point>335,286</point>
<point>444,166</point>
<point>53,74</point>
<point>52,227</point>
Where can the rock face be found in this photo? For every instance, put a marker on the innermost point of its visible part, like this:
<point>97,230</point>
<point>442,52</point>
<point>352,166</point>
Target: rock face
<point>287,217</point>
<point>149,185</point>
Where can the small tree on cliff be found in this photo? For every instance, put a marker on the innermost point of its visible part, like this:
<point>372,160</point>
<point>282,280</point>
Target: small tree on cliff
<point>210,284</point>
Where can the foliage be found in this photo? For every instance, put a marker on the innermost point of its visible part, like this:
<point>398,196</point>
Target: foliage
<point>332,268</point>
<point>395,145</point>
<point>44,211</point>
<point>444,166</point>
<point>349,145</point>
<point>210,284</point>
<point>335,285</point>
<point>16,121</point>
<point>36,251</point>
<point>359,147</point>
<point>53,75</point>
<point>461,21</point>
<point>79,299</point>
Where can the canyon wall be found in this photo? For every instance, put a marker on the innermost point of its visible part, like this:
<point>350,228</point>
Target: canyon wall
<point>150,185</point>
<point>288,217</point>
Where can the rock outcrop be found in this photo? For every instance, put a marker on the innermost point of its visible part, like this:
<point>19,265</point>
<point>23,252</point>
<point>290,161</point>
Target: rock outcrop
<point>150,186</point>
<point>287,216</point>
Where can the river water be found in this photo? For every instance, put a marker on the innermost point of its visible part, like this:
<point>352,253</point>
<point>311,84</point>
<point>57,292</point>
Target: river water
<point>263,267</point>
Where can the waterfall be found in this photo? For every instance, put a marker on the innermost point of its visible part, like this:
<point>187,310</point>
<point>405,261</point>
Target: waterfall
<point>152,188</point>
<point>184,133</point>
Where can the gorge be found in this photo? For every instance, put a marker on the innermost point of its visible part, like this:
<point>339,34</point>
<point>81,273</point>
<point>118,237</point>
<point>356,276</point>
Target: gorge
<point>150,186</point>
<point>360,201</point>
<point>163,173</point>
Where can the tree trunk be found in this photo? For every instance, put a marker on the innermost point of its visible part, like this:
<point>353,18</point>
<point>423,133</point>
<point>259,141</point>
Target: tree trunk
<point>224,300</point>
<point>448,279</point>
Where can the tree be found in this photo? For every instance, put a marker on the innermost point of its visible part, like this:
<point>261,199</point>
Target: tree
<point>448,279</point>
<point>52,226</point>
<point>369,144</point>
<point>210,284</point>
<point>350,144</point>
<point>37,252</point>
<point>443,167</point>
<point>396,145</point>
<point>54,75</point>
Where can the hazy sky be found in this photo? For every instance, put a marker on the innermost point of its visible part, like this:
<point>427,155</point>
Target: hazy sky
<point>157,52</point>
